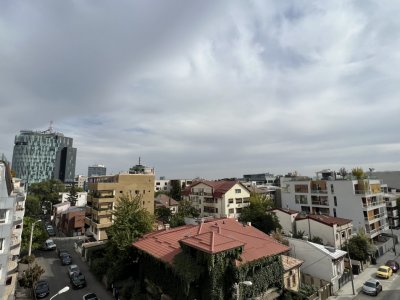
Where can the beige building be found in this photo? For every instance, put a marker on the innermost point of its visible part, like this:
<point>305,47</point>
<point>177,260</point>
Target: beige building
<point>291,275</point>
<point>104,192</point>
<point>220,199</point>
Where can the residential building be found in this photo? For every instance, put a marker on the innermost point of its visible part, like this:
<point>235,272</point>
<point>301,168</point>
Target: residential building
<point>43,155</point>
<point>104,192</point>
<point>323,266</point>
<point>223,198</point>
<point>215,251</point>
<point>97,170</point>
<point>291,277</point>
<point>391,178</point>
<point>81,201</point>
<point>262,179</point>
<point>167,202</point>
<point>333,232</point>
<point>81,182</point>
<point>390,196</point>
<point>360,200</point>
<point>12,208</point>
<point>162,185</point>
<point>72,221</point>
<point>287,220</point>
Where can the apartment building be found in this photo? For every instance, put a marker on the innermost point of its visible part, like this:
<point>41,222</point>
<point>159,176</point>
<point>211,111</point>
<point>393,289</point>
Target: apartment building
<point>360,200</point>
<point>223,198</point>
<point>390,195</point>
<point>165,185</point>
<point>103,195</point>
<point>12,209</point>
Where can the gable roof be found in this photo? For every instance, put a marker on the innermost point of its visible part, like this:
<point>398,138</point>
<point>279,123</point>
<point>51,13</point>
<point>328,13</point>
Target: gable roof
<point>290,262</point>
<point>165,200</point>
<point>211,237</point>
<point>220,187</point>
<point>324,219</point>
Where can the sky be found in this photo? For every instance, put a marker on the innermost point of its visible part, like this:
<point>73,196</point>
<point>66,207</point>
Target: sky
<point>207,89</point>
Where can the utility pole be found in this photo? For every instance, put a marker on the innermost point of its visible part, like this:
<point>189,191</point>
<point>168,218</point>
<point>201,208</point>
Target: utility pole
<point>394,241</point>
<point>351,267</point>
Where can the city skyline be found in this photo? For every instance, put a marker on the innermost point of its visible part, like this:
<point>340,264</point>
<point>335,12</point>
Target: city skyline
<point>208,89</point>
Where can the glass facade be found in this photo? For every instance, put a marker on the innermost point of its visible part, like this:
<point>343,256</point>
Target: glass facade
<point>39,156</point>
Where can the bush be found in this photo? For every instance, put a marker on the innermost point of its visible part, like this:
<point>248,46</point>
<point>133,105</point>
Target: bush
<point>28,259</point>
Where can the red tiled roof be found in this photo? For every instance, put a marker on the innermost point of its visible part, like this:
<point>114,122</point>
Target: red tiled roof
<point>220,187</point>
<point>166,201</point>
<point>324,219</point>
<point>211,237</point>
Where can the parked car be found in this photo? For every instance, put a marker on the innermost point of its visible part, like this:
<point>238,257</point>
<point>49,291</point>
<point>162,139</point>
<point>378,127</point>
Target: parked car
<point>50,231</point>
<point>90,296</point>
<point>394,265</point>
<point>78,280</point>
<point>41,289</point>
<point>61,252</point>
<point>66,259</point>
<point>384,272</point>
<point>49,245</point>
<point>372,287</point>
<point>72,269</point>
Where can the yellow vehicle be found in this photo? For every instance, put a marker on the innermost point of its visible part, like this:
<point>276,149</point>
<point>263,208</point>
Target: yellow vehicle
<point>384,272</point>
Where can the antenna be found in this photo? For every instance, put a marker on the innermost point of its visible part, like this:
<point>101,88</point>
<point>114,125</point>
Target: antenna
<point>51,126</point>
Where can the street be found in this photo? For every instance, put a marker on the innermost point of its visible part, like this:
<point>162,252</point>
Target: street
<point>56,274</point>
<point>391,289</point>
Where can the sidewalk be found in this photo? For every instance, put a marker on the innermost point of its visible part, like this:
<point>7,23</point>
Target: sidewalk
<point>346,292</point>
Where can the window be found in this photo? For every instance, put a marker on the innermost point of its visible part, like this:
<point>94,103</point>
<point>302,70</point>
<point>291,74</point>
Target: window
<point>335,200</point>
<point>3,215</point>
<point>334,212</point>
<point>301,188</point>
<point>288,282</point>
<point>157,183</point>
<point>301,199</point>
<point>239,200</point>
<point>230,201</point>
<point>238,191</point>
<point>1,244</point>
<point>231,210</point>
<point>294,280</point>
<point>332,188</point>
<point>343,234</point>
<point>239,210</point>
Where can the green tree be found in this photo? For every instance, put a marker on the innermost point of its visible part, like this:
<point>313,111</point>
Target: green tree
<point>257,213</point>
<point>131,221</point>
<point>47,190</point>
<point>163,214</point>
<point>317,240</point>
<point>359,247</point>
<point>32,206</point>
<point>72,195</point>
<point>39,234</point>
<point>186,209</point>
<point>31,275</point>
<point>176,190</point>
<point>358,173</point>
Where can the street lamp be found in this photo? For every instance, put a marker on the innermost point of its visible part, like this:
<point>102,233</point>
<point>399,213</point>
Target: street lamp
<point>246,283</point>
<point>63,290</point>
<point>30,241</point>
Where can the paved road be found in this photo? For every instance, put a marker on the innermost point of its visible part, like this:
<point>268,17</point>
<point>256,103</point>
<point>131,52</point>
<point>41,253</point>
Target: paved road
<point>56,274</point>
<point>391,289</point>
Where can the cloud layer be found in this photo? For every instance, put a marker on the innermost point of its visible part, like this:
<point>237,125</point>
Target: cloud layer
<point>206,88</point>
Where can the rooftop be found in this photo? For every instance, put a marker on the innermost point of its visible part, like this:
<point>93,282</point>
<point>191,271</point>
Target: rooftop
<point>211,237</point>
<point>290,262</point>
<point>324,219</point>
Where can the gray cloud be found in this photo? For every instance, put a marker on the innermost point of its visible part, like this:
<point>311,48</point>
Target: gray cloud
<point>205,88</point>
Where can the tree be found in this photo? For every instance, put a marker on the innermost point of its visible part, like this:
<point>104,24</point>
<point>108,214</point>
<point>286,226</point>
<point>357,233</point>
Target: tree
<point>186,209</point>
<point>39,234</point>
<point>257,213</point>
<point>176,190</point>
<point>358,173</point>
<point>359,247</point>
<point>317,240</point>
<point>163,214</point>
<point>72,195</point>
<point>131,221</point>
<point>32,206</point>
<point>343,172</point>
<point>31,275</point>
<point>47,190</point>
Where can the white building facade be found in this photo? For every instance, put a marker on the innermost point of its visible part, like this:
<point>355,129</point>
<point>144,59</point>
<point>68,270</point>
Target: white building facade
<point>359,200</point>
<point>81,201</point>
<point>218,199</point>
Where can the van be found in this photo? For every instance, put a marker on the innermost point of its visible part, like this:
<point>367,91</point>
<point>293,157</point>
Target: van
<point>49,245</point>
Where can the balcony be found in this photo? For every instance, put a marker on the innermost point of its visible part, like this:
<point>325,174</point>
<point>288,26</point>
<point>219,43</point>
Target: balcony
<point>201,194</point>
<point>375,218</point>
<point>364,192</point>
<point>15,243</point>
<point>319,192</point>
<point>374,204</point>
<point>393,213</point>
<point>391,203</point>
<point>17,220</point>
<point>374,232</point>
<point>12,267</point>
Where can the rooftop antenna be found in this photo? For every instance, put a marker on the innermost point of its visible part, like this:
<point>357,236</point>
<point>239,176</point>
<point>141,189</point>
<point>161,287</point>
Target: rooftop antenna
<point>51,126</point>
<point>139,160</point>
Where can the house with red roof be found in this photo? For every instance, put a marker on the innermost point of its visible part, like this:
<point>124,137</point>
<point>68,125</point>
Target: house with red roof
<point>207,260</point>
<point>220,199</point>
<point>166,201</point>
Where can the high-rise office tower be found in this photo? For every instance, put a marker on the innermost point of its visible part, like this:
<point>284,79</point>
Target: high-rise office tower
<point>43,155</point>
<point>97,170</point>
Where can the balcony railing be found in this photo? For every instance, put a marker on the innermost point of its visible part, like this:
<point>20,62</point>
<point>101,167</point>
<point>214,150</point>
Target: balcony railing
<point>375,217</point>
<point>377,230</point>
<point>201,193</point>
<point>323,203</point>
<point>375,203</point>
<point>319,191</point>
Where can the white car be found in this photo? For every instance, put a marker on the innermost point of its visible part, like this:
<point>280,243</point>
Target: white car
<point>73,269</point>
<point>49,245</point>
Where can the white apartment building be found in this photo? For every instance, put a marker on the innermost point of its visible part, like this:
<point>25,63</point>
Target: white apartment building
<point>223,198</point>
<point>12,209</point>
<point>360,200</point>
<point>81,201</point>
<point>164,185</point>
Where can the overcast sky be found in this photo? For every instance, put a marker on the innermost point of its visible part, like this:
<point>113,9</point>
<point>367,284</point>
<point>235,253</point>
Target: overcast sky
<point>206,88</point>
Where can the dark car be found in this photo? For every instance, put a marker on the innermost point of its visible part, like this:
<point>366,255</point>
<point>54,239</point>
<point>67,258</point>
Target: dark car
<point>66,259</point>
<point>90,296</point>
<point>51,232</point>
<point>61,252</point>
<point>41,289</point>
<point>394,265</point>
<point>78,280</point>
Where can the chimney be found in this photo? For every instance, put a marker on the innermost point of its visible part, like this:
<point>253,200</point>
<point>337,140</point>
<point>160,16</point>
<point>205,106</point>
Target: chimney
<point>166,226</point>
<point>249,224</point>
